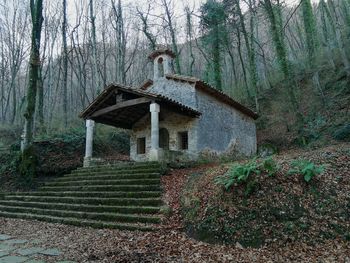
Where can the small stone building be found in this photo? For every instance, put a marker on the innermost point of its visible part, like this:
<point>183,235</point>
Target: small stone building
<point>173,117</point>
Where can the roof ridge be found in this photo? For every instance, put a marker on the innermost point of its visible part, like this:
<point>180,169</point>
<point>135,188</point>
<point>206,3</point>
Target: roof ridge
<point>220,95</point>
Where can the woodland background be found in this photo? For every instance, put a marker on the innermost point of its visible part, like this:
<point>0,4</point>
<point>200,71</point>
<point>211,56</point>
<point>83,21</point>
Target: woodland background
<point>289,61</point>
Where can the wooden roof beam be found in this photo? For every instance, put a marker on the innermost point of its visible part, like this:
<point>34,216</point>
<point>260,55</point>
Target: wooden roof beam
<point>121,105</point>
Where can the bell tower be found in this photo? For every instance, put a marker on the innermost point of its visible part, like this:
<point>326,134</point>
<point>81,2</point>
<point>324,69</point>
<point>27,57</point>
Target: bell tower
<point>162,62</point>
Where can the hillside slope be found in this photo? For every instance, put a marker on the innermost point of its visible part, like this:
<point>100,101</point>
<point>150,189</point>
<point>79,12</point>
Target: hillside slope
<point>325,111</point>
<point>279,209</point>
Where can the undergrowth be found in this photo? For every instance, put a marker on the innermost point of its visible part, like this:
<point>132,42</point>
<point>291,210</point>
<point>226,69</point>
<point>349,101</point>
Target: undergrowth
<point>270,200</point>
<point>55,154</point>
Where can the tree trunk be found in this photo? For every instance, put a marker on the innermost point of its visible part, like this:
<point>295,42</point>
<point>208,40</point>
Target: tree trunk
<point>339,37</point>
<point>242,63</point>
<point>189,33</point>
<point>277,32</point>
<point>65,64</point>
<point>34,67</point>
<point>95,73</point>
<point>249,45</point>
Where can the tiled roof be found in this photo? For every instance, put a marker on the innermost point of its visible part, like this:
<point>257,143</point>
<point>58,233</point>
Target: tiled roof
<point>157,97</point>
<point>202,85</point>
<point>160,51</point>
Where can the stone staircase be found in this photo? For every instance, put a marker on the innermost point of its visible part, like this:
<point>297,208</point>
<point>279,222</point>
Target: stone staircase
<point>124,196</point>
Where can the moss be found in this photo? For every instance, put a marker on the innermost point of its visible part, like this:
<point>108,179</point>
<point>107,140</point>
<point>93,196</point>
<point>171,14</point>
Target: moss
<point>94,188</point>
<point>166,210</point>
<point>163,168</point>
<point>27,168</point>
<point>217,226</point>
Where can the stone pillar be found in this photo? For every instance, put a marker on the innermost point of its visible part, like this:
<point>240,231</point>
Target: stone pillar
<point>89,141</point>
<point>154,152</point>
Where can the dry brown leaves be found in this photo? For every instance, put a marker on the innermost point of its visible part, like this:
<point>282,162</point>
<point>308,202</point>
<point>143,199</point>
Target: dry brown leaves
<point>173,184</point>
<point>170,244</point>
<point>92,245</point>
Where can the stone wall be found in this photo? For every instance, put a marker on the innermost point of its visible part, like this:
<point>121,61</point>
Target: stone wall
<point>182,92</point>
<point>223,129</point>
<point>174,123</point>
<point>220,129</point>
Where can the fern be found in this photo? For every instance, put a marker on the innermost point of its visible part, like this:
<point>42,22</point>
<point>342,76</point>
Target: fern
<point>306,168</point>
<point>242,173</point>
<point>270,166</point>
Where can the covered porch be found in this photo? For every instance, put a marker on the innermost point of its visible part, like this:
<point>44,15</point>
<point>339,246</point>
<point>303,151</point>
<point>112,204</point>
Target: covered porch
<point>122,107</point>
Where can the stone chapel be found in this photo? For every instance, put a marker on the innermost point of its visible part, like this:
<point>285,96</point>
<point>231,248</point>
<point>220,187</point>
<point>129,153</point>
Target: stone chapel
<point>173,117</point>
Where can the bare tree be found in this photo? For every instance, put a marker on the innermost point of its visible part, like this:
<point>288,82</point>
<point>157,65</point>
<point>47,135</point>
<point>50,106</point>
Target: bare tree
<point>168,18</point>
<point>119,29</point>
<point>145,27</point>
<point>36,7</point>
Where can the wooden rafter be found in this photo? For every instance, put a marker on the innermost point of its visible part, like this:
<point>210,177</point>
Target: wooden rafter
<point>121,105</point>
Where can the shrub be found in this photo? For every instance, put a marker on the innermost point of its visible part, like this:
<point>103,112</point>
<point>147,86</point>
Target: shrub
<point>311,130</point>
<point>237,174</point>
<point>270,166</point>
<point>306,168</point>
<point>343,133</point>
<point>243,173</point>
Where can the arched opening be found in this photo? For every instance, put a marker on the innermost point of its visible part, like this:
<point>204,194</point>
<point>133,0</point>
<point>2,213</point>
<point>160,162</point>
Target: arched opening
<point>160,67</point>
<point>164,139</point>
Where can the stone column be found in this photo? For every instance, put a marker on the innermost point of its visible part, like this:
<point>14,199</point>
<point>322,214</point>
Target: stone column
<point>154,152</point>
<point>89,141</point>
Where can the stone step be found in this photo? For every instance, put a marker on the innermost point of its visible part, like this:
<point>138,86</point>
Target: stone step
<point>126,196</point>
<point>123,168</point>
<point>111,172</point>
<point>140,194</point>
<point>80,222</point>
<point>84,208</point>
<point>71,178</point>
<point>95,188</point>
<point>106,182</point>
<point>89,200</point>
<point>108,217</point>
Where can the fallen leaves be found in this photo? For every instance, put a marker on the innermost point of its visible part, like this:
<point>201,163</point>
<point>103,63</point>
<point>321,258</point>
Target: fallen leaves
<point>171,244</point>
<point>104,245</point>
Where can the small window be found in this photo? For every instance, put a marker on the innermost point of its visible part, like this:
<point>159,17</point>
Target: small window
<point>183,140</point>
<point>160,67</point>
<point>141,145</point>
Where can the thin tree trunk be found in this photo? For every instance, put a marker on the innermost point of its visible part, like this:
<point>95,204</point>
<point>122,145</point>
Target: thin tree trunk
<point>172,35</point>
<point>189,32</point>
<point>34,67</point>
<point>41,100</point>
<point>95,75</point>
<point>65,64</point>
<point>242,63</point>
<point>339,37</point>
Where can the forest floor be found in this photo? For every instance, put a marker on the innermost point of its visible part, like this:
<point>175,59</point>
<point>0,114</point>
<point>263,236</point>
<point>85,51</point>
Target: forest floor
<point>171,243</point>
